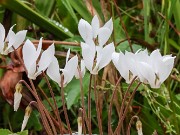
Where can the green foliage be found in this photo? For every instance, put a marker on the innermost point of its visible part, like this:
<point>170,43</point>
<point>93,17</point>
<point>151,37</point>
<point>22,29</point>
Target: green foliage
<point>7,132</point>
<point>58,20</point>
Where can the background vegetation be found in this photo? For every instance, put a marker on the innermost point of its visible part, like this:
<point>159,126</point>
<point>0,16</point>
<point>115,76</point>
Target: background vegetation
<point>142,24</point>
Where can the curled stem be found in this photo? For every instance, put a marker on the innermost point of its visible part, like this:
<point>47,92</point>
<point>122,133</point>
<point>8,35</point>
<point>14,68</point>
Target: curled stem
<point>129,126</point>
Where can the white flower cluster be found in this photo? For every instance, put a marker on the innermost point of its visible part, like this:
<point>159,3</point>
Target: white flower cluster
<point>95,53</point>
<point>150,69</point>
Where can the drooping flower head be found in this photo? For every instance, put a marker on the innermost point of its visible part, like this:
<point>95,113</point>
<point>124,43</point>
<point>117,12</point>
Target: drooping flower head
<point>12,40</point>
<point>33,63</point>
<point>150,69</point>
<point>68,72</point>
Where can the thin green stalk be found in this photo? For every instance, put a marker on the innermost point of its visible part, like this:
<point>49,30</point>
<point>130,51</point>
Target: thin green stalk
<point>173,107</point>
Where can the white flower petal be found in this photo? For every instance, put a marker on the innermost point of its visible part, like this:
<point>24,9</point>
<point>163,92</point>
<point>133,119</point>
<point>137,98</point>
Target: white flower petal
<point>2,36</point>
<point>19,38</point>
<point>109,24</point>
<point>2,32</point>
<point>103,35</point>
<point>10,34</point>
<point>17,100</point>
<point>29,54</point>
<point>88,53</point>
<point>46,58</point>
<point>82,70</point>
<point>95,26</point>
<point>53,71</point>
<point>85,29</point>
<point>148,73</point>
<point>70,69</point>
<point>106,55</point>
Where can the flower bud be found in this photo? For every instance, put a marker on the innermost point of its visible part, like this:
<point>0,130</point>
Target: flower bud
<point>17,96</point>
<point>79,120</point>
<point>139,127</point>
<point>26,117</point>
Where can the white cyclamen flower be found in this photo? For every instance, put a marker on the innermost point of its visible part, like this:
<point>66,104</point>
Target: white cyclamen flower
<point>150,69</point>
<point>12,40</point>
<point>90,32</point>
<point>125,64</point>
<point>96,57</point>
<point>82,70</point>
<point>31,58</point>
<point>157,68</point>
<point>26,117</point>
<point>17,96</point>
<point>68,72</point>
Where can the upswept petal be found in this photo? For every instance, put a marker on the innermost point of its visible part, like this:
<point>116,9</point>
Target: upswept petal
<point>88,53</point>
<point>82,70</point>
<point>106,55</point>
<point>70,69</point>
<point>19,38</point>
<point>95,26</point>
<point>2,33</point>
<point>167,65</point>
<point>46,58</point>
<point>2,36</point>
<point>38,51</point>
<point>109,25</point>
<point>29,54</point>
<point>103,35</point>
<point>85,29</point>
<point>10,34</point>
<point>53,71</point>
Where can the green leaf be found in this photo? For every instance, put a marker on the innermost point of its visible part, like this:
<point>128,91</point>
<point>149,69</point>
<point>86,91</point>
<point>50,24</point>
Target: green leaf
<point>45,23</point>
<point>44,6</point>
<point>73,90</point>
<point>5,132</point>
<point>68,6</point>
<point>80,7</point>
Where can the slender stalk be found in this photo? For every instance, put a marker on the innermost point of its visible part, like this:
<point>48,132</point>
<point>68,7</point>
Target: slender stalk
<point>44,94</point>
<point>55,103</point>
<point>35,104</point>
<point>97,108</point>
<point>64,106</point>
<point>35,94</point>
<point>82,99</point>
<point>129,126</point>
<point>125,96</point>
<point>110,107</point>
<point>89,105</point>
<point>118,129</point>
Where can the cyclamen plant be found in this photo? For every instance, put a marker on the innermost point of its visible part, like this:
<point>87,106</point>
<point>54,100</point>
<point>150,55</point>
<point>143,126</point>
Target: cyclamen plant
<point>152,69</point>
